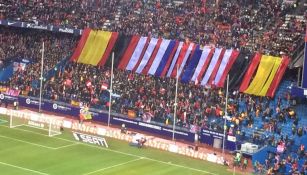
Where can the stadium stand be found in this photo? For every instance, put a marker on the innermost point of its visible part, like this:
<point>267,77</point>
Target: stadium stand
<point>278,124</point>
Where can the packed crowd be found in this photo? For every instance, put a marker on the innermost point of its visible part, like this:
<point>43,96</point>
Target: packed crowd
<point>151,97</point>
<point>256,26</point>
<point>233,23</point>
<point>18,44</point>
<point>285,162</point>
<point>72,14</point>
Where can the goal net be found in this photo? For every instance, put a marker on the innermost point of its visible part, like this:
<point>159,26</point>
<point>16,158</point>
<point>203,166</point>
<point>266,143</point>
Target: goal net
<point>49,125</point>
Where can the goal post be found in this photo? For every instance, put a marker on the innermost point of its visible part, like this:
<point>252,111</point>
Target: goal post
<point>53,129</point>
<point>16,121</point>
<point>49,125</point>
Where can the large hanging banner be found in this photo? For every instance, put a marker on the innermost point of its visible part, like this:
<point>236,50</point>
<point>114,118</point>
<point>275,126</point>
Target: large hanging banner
<point>142,54</point>
<point>167,58</point>
<point>161,57</point>
<point>86,51</point>
<point>152,44</point>
<point>101,42</point>
<point>119,49</point>
<point>152,57</point>
<point>250,72</point>
<point>263,72</point>
<point>278,76</point>
<point>187,75</point>
<point>137,53</point>
<point>202,64</point>
<point>223,65</point>
<point>81,44</point>
<point>109,48</point>
<point>229,65</point>
<point>242,63</point>
<point>268,83</point>
<point>190,50</point>
<point>128,52</point>
<point>213,63</point>
<point>157,60</point>
<point>174,61</point>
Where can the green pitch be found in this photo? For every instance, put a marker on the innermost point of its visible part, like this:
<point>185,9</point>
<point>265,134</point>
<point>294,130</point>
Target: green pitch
<point>29,151</point>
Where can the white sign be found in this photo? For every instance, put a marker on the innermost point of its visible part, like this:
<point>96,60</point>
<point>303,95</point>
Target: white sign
<point>90,139</point>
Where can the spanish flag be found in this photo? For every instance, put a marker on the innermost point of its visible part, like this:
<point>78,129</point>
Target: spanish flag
<point>94,47</point>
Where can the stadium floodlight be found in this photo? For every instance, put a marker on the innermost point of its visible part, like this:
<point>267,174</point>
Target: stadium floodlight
<point>38,121</point>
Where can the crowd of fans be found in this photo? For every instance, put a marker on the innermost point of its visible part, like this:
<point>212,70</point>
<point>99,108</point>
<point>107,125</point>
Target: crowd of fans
<point>18,44</point>
<point>72,14</point>
<point>283,162</point>
<point>238,24</point>
<point>250,24</point>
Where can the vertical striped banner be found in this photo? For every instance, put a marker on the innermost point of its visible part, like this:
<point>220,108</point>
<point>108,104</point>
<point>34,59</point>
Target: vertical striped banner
<point>278,76</point>
<point>170,70</point>
<point>181,56</point>
<point>186,76</point>
<point>142,54</point>
<point>119,49</point>
<point>81,44</point>
<point>108,50</point>
<point>250,72</point>
<point>191,49</point>
<point>241,63</point>
<point>223,65</point>
<point>267,84</point>
<point>214,61</point>
<point>137,53</point>
<point>128,52</point>
<point>157,60</point>
<point>229,65</point>
<point>202,64</point>
<point>101,44</point>
<point>167,58</point>
<point>263,72</point>
<point>152,44</point>
<point>152,57</point>
<point>86,51</point>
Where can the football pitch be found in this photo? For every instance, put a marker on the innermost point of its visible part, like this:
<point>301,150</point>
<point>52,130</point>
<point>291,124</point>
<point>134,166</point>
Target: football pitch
<point>29,151</point>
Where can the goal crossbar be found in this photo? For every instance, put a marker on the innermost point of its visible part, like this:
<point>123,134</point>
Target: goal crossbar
<point>38,121</point>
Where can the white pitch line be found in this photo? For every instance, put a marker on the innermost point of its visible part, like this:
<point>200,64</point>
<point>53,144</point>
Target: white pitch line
<point>119,152</point>
<point>181,166</point>
<point>22,168</point>
<point>35,144</point>
<point>60,147</point>
<point>54,148</point>
<point>113,166</point>
<point>40,134</point>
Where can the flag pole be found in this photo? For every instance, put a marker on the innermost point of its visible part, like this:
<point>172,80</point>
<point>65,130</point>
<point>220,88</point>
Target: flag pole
<point>41,79</point>
<point>111,91</point>
<point>175,104</point>
<point>225,115</point>
<point>304,82</point>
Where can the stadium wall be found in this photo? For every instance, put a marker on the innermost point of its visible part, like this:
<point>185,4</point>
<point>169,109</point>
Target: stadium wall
<point>114,133</point>
<point>206,136</point>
